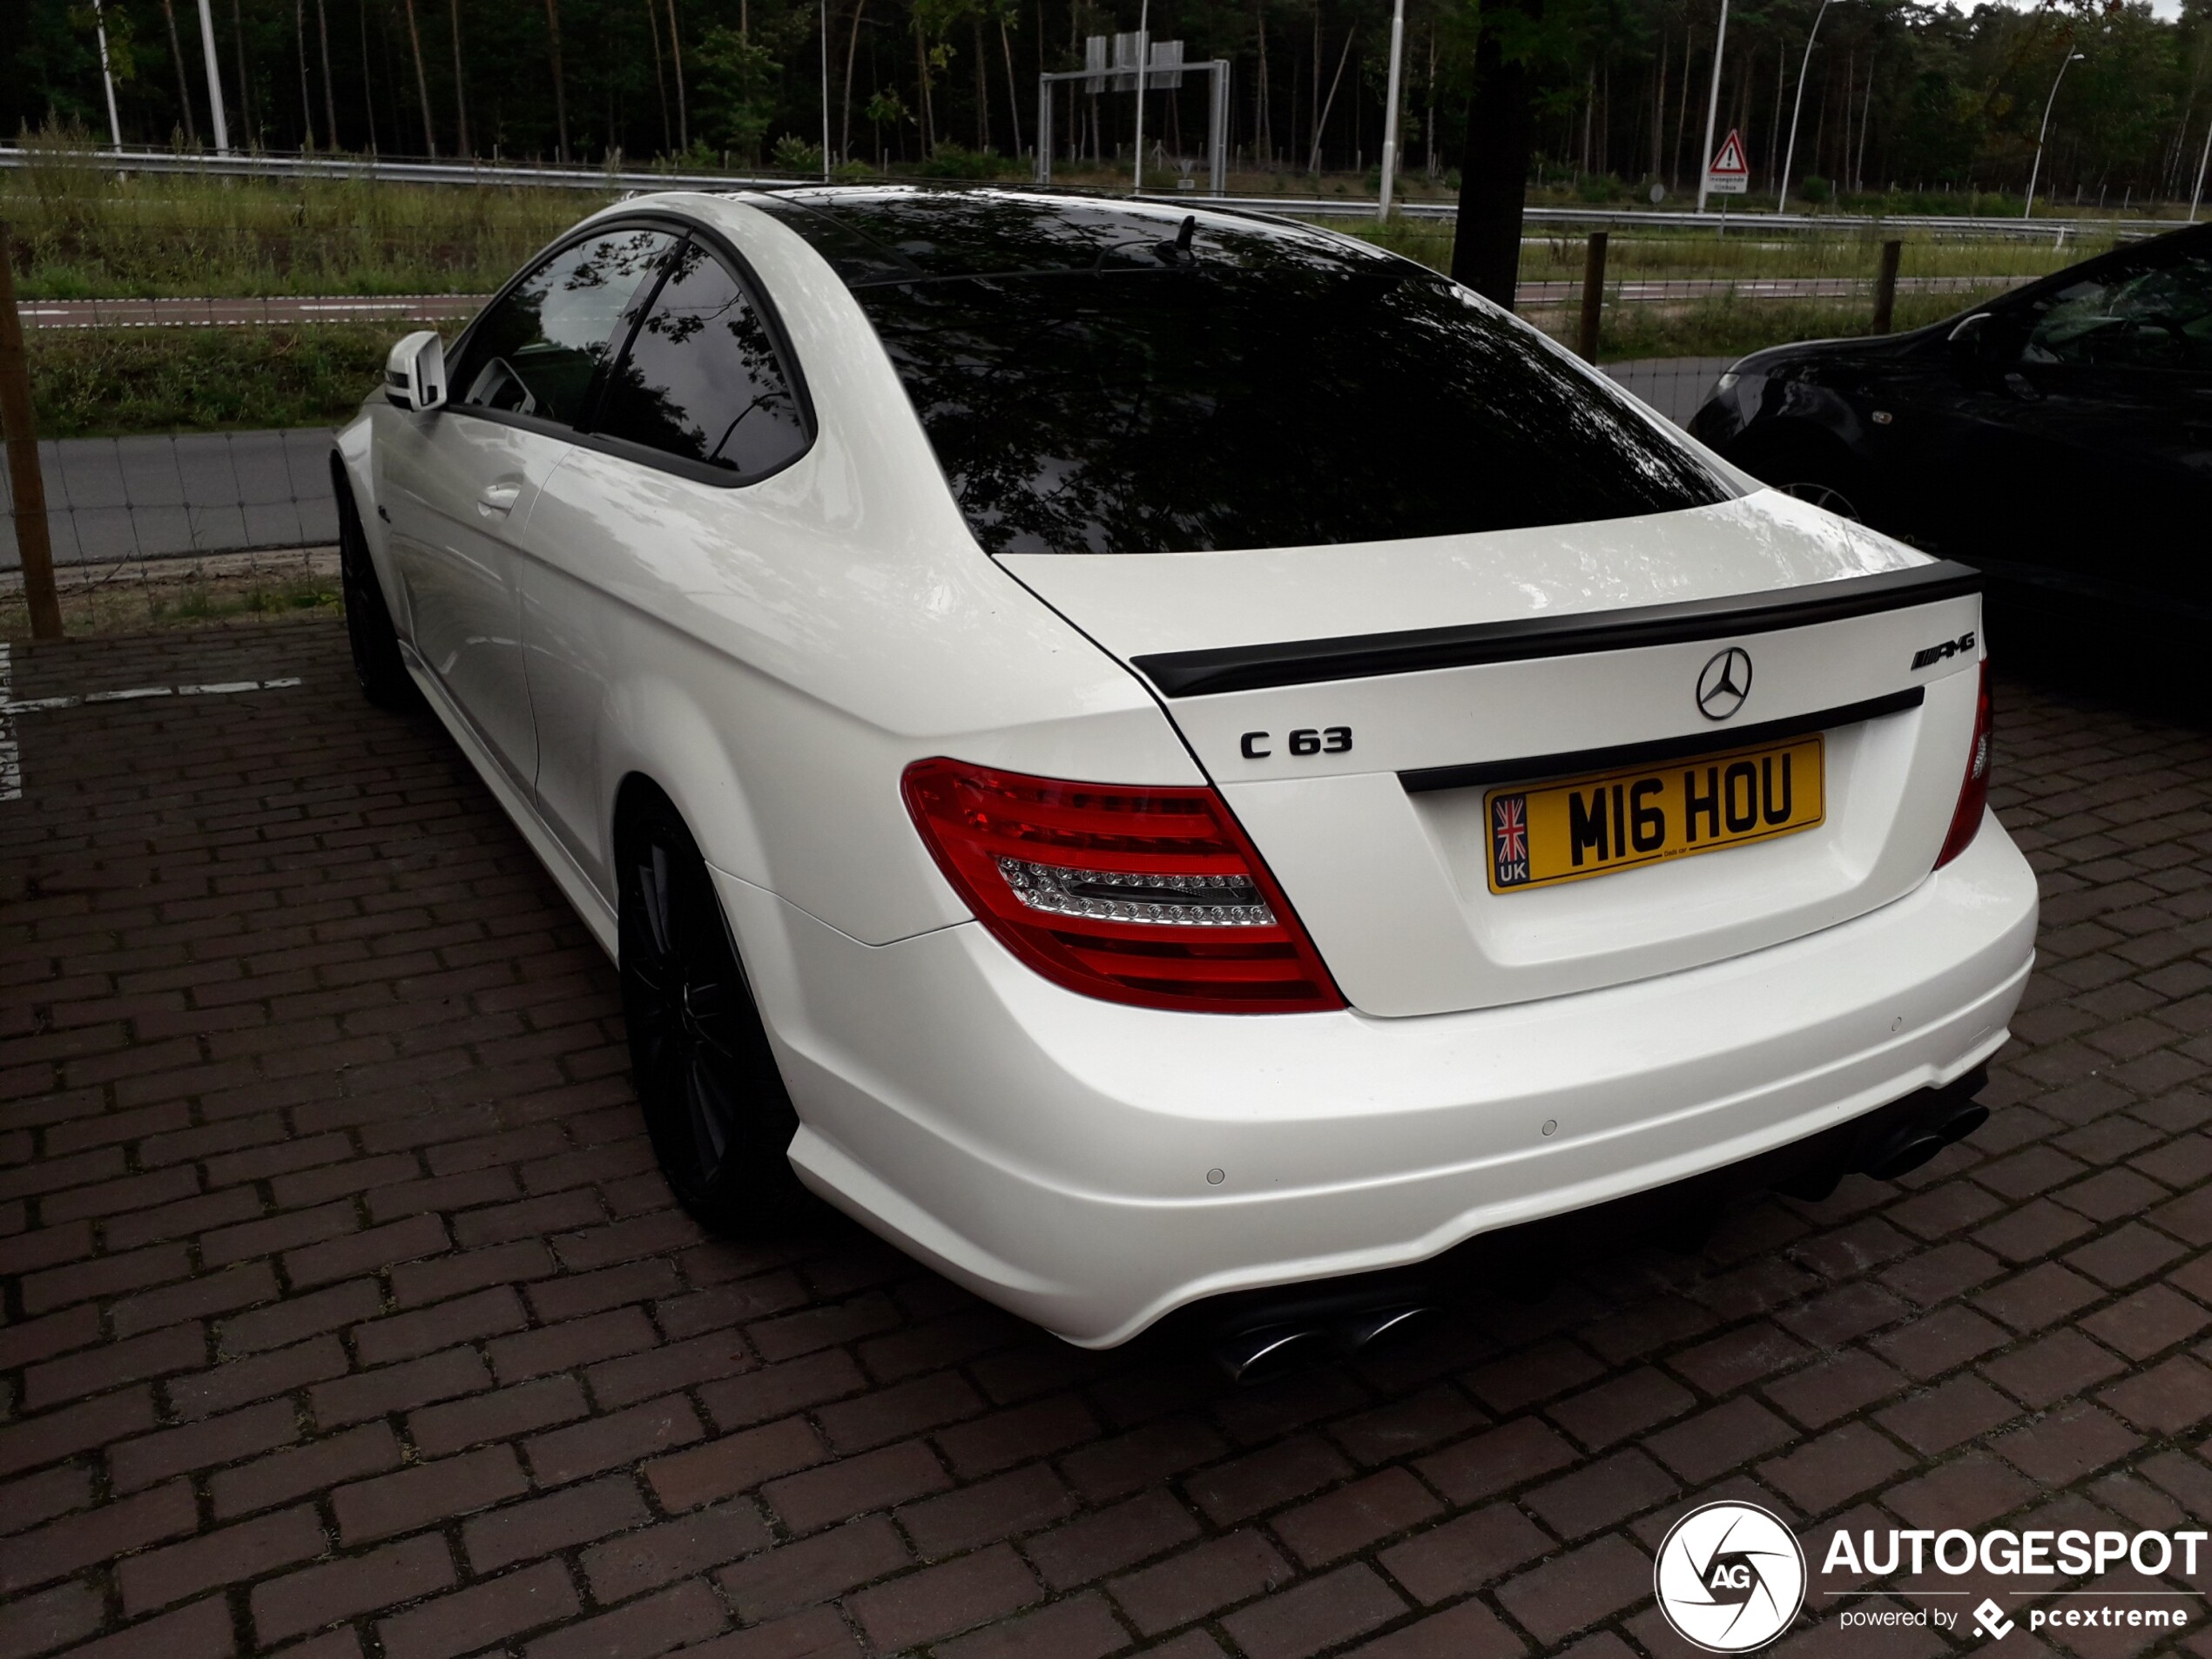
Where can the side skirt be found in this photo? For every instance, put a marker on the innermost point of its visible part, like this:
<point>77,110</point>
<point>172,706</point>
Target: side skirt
<point>598,916</point>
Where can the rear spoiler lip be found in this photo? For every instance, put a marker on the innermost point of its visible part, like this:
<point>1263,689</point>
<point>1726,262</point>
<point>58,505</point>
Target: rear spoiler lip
<point>1248,668</point>
<point>1532,769</point>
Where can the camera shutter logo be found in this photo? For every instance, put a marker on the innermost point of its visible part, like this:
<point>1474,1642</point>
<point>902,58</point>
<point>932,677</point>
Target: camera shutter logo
<point>1729,1577</point>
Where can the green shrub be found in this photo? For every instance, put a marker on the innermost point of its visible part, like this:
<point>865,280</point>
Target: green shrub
<point>793,154</point>
<point>958,161</point>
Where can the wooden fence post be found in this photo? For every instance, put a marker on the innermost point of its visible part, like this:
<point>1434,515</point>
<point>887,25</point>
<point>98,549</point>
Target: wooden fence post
<point>29,485</point>
<point>1592,296</point>
<point>1885,287</point>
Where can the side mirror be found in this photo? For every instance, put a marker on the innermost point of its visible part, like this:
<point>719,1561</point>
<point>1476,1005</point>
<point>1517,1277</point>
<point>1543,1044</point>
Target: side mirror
<point>1985,340</point>
<point>414,375</point>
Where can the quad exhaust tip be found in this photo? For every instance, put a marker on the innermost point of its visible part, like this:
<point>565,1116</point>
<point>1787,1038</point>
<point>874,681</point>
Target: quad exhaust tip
<point>1276,1349</point>
<point>1909,1153</point>
<point>1901,1152</point>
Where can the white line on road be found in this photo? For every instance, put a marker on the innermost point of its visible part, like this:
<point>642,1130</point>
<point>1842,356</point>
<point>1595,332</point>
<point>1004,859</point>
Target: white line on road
<point>228,688</point>
<point>11,756</point>
<point>11,752</point>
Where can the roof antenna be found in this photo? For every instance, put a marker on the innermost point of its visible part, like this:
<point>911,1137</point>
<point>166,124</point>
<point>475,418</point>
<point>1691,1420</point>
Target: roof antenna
<point>1179,252</point>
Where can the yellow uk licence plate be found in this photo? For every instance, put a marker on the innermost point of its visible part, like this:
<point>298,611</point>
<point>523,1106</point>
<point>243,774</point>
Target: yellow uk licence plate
<point>1543,834</point>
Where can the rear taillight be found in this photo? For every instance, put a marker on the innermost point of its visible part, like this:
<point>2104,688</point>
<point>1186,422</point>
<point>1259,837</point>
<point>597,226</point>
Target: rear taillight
<point>1145,895</point>
<point>1974,794</point>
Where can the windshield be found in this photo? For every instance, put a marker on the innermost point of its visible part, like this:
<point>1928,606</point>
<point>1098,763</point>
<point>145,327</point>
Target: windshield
<point>1099,380</point>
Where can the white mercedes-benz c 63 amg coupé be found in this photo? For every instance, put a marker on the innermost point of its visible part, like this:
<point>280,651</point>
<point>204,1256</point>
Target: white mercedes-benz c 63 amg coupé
<point>1170,759</point>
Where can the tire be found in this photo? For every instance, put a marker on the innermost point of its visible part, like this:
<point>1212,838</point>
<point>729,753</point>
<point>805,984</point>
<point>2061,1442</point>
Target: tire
<point>377,663</point>
<point>1822,494</point>
<point>1815,469</point>
<point>720,1118</point>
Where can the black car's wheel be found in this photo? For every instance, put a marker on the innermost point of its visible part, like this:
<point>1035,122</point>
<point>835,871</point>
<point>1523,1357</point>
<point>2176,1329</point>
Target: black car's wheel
<point>1811,466</point>
<point>1823,494</point>
<point>375,642</point>
<point>720,1118</point>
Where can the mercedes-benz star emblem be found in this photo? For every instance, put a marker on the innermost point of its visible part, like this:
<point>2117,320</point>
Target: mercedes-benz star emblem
<point>1724,684</point>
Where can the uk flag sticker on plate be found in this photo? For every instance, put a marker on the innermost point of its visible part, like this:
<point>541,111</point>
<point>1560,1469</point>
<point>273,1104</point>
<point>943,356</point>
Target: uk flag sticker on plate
<point>1509,839</point>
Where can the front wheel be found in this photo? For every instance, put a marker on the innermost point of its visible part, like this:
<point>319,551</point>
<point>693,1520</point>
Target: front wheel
<point>1822,473</point>
<point>377,663</point>
<point>720,1119</point>
<point>1829,497</point>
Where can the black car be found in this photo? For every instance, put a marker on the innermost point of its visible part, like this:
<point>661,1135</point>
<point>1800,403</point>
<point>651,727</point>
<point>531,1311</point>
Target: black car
<point>2059,437</point>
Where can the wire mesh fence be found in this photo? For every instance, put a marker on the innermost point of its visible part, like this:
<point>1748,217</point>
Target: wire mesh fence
<point>184,438</point>
<point>147,522</point>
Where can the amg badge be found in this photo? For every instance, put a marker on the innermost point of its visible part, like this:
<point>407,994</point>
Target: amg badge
<point>1928,654</point>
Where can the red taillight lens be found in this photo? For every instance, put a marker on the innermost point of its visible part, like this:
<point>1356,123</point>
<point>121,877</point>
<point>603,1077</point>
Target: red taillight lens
<point>1974,794</point>
<point>1144,895</point>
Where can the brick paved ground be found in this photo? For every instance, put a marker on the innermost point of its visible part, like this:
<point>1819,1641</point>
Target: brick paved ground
<point>344,1308</point>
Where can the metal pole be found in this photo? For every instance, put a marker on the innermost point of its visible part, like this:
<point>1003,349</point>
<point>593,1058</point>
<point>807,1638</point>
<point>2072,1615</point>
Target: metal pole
<point>33,542</point>
<point>114,127</point>
<point>1789,157</point>
<point>1712,107</point>
<point>1218,120</point>
<point>1390,109</point>
<point>215,80</point>
<point>1592,295</point>
<point>1885,287</point>
<point>2193,200</point>
<point>2043,132</point>
<point>1143,51</point>
<point>1044,129</point>
<point>825,149</point>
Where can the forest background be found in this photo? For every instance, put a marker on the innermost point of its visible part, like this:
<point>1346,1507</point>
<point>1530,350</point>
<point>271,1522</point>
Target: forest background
<point>1917,104</point>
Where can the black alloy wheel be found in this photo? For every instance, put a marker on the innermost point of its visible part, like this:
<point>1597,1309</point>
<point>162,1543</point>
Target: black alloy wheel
<point>1827,496</point>
<point>374,642</point>
<point>720,1118</point>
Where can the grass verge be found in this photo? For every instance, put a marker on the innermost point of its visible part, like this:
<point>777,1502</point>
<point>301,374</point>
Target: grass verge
<point>1729,327</point>
<point>81,232</point>
<point>166,595</point>
<point>100,382</point>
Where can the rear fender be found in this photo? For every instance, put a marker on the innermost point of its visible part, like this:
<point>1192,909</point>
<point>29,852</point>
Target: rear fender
<point>657,730</point>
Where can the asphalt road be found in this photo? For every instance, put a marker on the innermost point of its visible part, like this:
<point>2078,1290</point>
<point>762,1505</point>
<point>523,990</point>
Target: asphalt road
<point>219,492</point>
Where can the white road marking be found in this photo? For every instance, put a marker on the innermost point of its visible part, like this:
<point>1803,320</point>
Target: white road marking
<point>228,688</point>
<point>11,754</point>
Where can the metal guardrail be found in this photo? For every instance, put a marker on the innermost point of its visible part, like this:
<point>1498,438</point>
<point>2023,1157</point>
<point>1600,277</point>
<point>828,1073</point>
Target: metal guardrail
<point>263,165</point>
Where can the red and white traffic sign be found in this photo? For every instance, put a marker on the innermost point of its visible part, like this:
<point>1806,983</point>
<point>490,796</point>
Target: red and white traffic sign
<point>1730,172</point>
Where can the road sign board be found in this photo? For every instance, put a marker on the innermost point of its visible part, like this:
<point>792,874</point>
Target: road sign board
<point>1730,172</point>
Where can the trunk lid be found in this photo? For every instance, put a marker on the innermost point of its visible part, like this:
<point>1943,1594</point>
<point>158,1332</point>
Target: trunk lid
<point>1362,707</point>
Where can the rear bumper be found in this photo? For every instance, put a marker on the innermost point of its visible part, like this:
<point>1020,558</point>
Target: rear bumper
<point>1094,1167</point>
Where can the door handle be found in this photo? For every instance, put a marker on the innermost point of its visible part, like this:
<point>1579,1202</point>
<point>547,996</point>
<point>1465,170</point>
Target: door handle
<point>499,499</point>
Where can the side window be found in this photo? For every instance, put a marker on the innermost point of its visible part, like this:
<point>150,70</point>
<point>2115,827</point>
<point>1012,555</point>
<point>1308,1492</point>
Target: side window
<point>538,350</point>
<point>2148,313</point>
<point>701,380</point>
